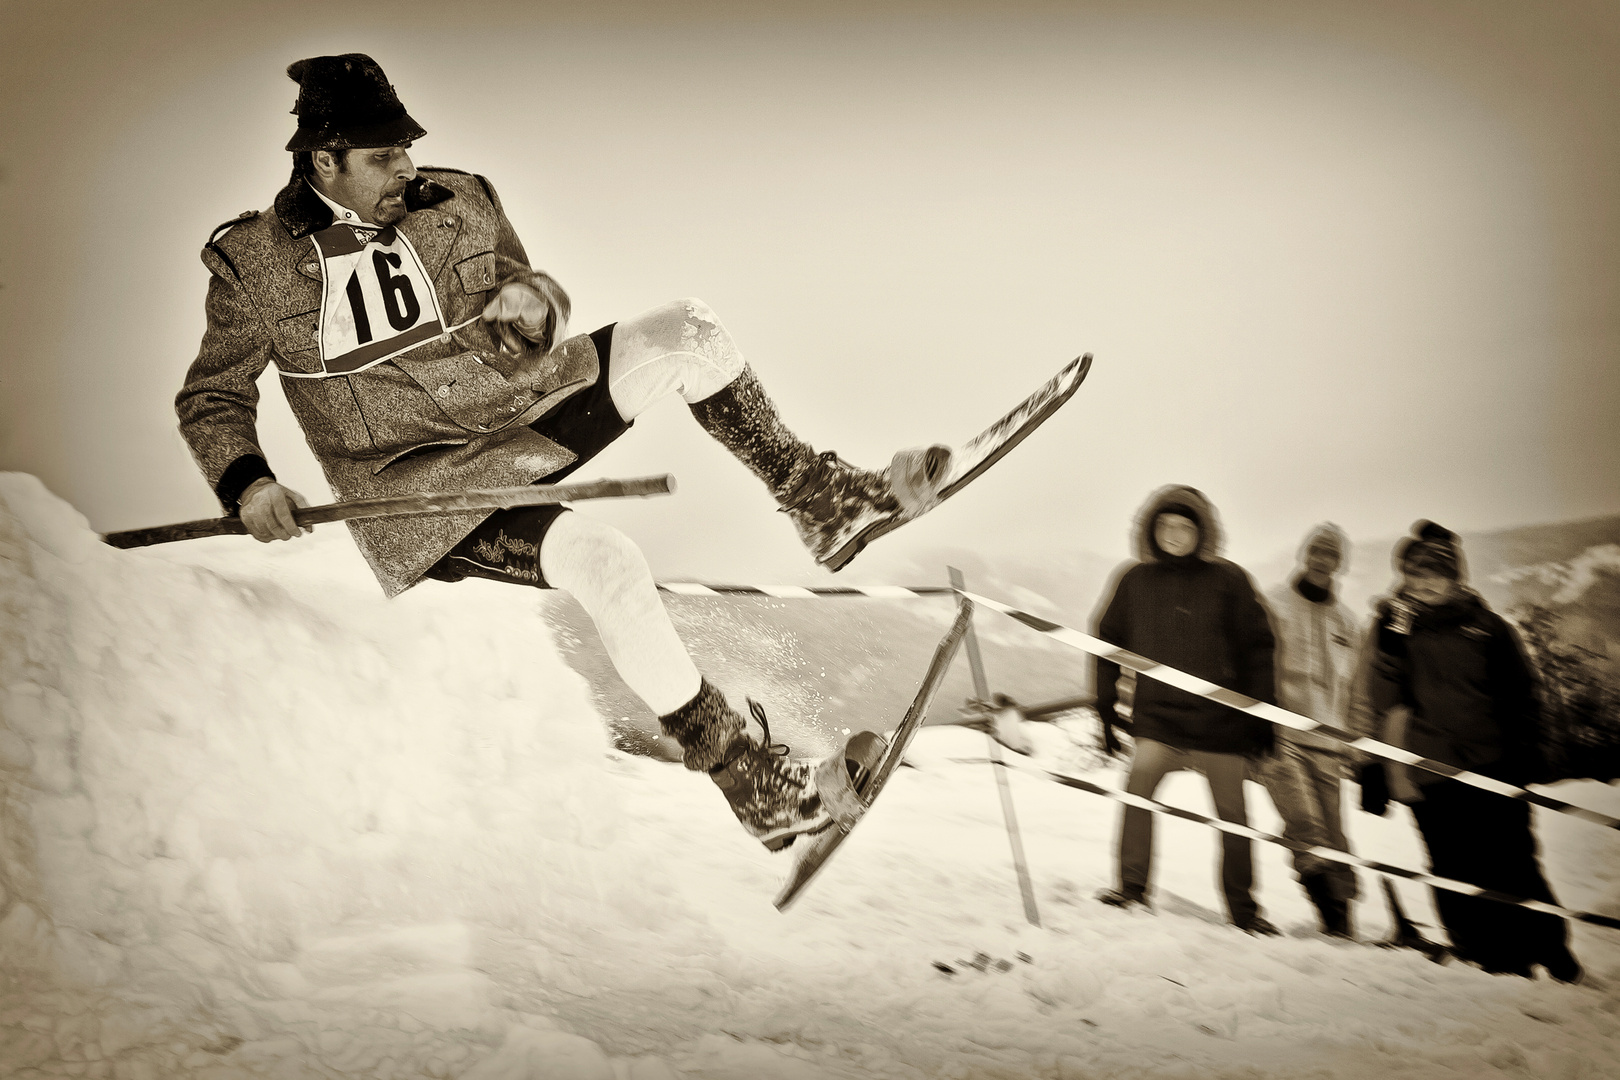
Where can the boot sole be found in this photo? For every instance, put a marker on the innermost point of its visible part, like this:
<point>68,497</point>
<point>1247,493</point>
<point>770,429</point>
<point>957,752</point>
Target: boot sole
<point>781,838</point>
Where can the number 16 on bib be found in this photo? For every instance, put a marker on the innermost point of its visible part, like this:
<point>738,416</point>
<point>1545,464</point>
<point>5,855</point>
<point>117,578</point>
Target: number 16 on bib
<point>377,300</point>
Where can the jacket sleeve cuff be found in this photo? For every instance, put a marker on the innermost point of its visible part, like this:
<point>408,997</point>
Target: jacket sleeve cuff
<point>236,478</point>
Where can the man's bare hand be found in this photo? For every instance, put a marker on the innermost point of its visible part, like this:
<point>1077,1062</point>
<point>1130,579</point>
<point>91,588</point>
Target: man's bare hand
<point>267,510</point>
<point>522,313</point>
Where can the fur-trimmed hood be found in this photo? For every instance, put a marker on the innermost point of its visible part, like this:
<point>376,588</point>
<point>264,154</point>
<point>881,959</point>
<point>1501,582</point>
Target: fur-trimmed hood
<point>1210,537</point>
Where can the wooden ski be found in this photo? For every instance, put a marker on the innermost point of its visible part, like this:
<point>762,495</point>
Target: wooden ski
<point>849,781</point>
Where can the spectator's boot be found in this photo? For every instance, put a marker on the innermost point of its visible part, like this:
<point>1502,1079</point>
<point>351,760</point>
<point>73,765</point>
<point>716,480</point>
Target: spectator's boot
<point>1125,896</point>
<point>774,798</point>
<point>830,501</point>
<point>1563,966</point>
<point>1259,926</point>
<point>1334,912</point>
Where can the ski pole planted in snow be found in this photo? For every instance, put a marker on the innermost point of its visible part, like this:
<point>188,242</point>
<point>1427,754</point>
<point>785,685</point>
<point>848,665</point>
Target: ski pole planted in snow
<point>444,502</point>
<point>981,687</point>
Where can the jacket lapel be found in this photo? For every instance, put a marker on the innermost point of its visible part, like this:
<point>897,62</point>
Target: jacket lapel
<point>431,227</point>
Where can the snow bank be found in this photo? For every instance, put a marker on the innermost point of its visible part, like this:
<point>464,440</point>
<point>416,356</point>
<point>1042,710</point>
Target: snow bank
<point>259,822</point>
<point>206,774</point>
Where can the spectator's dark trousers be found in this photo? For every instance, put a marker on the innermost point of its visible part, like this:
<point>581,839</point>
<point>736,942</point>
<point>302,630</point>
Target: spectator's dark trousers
<point>1152,762</point>
<point>1485,840</point>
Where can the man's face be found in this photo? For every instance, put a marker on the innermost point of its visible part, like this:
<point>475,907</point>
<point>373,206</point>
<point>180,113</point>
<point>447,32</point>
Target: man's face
<point>1175,534</point>
<point>1321,562</point>
<point>370,181</point>
<point>1428,589</point>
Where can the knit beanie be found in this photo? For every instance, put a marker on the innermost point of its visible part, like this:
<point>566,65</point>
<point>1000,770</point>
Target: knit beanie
<point>1430,549</point>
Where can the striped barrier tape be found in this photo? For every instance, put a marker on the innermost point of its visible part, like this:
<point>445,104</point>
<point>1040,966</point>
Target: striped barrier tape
<point>801,592</point>
<point>1276,715</point>
<point>1165,674</point>
<point>1449,884</point>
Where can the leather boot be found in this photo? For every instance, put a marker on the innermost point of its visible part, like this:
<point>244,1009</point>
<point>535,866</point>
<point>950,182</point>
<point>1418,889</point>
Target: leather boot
<point>830,501</point>
<point>774,798</point>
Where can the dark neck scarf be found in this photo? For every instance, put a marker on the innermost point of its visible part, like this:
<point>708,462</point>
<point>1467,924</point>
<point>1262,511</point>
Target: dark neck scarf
<point>1314,593</point>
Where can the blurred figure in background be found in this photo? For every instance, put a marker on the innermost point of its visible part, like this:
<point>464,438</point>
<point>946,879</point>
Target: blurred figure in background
<point>1446,678</point>
<point>1316,654</point>
<point>1183,605</point>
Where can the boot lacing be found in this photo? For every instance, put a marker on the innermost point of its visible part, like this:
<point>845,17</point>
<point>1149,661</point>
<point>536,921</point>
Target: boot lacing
<point>765,744</point>
<point>805,490</point>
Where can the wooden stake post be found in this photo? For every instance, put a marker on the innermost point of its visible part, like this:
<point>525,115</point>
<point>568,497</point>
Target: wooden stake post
<point>981,688</point>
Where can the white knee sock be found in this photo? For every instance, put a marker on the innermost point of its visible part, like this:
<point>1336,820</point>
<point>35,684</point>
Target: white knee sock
<point>676,348</point>
<point>605,571</point>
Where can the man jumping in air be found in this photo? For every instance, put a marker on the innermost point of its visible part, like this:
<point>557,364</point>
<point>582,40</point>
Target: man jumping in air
<point>421,352</point>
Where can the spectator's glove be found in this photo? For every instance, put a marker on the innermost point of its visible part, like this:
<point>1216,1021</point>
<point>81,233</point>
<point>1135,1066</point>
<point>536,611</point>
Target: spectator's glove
<point>1001,719</point>
<point>1110,738</point>
<point>1374,783</point>
<point>1265,743</point>
<point>528,310</point>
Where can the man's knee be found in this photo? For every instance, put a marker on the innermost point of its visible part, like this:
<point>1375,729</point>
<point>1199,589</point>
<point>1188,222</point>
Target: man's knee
<point>682,323</point>
<point>678,347</point>
<point>582,551</point>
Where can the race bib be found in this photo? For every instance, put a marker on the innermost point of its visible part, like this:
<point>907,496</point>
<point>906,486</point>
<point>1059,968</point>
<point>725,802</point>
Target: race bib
<point>377,301</point>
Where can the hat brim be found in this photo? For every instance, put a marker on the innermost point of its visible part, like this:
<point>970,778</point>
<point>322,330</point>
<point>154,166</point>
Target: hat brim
<point>395,132</point>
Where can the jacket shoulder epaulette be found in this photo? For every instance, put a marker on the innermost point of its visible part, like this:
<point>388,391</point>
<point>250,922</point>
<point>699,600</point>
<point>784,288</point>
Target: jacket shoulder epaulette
<point>246,215</point>
<point>213,237</point>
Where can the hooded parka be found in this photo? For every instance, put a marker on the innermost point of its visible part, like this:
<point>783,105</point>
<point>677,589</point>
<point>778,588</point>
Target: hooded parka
<point>1199,613</point>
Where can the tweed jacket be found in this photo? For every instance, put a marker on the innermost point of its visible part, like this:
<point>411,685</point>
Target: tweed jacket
<point>450,414</point>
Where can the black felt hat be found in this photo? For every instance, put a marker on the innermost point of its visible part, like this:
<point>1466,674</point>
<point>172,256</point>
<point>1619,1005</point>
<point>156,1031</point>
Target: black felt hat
<point>346,102</point>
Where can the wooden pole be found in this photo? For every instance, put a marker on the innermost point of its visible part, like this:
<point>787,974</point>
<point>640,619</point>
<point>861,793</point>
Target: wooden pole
<point>445,502</point>
<point>981,689</point>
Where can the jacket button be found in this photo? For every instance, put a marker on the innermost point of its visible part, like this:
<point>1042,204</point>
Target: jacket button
<point>444,391</point>
<point>449,222</point>
<point>310,268</point>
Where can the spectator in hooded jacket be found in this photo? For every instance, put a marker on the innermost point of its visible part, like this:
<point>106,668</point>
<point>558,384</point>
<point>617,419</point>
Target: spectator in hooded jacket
<point>1183,605</point>
<point>1446,678</point>
<point>1316,652</point>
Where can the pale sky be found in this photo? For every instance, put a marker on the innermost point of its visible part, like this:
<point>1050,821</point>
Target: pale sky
<point>1348,260</point>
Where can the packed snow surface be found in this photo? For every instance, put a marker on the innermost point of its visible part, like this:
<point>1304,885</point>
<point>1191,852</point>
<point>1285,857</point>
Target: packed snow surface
<point>259,821</point>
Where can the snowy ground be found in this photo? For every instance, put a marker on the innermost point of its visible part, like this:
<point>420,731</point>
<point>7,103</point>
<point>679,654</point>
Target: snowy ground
<point>257,821</point>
